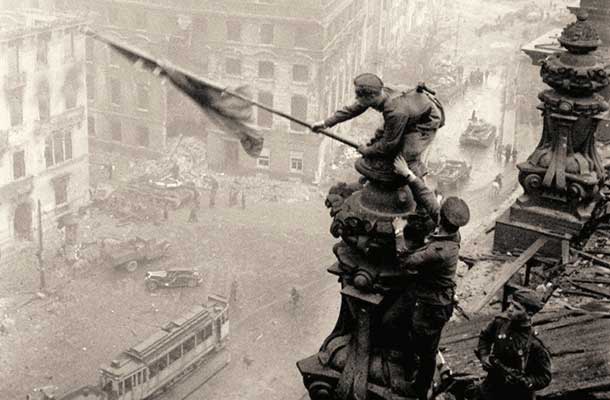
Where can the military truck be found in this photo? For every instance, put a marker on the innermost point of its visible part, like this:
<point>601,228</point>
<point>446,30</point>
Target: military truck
<point>129,254</point>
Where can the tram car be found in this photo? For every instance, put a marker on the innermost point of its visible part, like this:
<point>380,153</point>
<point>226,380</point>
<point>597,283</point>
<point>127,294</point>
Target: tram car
<point>153,365</point>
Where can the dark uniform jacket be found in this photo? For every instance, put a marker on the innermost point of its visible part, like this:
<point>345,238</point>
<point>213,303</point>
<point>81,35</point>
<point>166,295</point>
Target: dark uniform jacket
<point>516,347</point>
<point>410,122</point>
<point>436,264</point>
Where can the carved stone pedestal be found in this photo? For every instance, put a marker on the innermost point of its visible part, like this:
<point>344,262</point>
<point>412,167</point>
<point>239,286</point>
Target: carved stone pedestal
<point>562,177</point>
<point>367,356</point>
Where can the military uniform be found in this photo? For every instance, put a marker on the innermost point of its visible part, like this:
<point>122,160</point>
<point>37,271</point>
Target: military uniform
<point>436,265</point>
<point>411,119</point>
<point>516,348</point>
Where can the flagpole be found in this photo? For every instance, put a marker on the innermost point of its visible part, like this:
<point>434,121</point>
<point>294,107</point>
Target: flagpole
<point>264,107</point>
<point>159,66</point>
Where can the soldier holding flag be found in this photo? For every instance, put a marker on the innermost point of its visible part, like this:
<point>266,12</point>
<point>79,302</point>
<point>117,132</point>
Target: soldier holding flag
<point>411,119</point>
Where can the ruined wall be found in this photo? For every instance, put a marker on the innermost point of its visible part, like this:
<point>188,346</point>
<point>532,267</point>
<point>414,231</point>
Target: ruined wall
<point>46,153</point>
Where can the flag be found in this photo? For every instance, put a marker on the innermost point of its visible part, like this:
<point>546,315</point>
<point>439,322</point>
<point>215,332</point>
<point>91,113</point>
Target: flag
<point>230,110</point>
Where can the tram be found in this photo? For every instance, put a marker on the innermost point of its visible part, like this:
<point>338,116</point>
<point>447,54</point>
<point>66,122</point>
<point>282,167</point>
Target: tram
<point>154,364</point>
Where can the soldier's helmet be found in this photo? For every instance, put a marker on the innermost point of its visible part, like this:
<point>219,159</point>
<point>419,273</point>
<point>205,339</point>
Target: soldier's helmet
<point>368,84</point>
<point>455,211</point>
<point>529,299</point>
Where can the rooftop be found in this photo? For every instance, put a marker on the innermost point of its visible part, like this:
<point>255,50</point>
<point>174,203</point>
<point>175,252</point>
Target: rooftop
<point>16,24</point>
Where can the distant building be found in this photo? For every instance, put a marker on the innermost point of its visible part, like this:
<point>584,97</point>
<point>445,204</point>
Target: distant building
<point>299,57</point>
<point>43,139</point>
<point>598,12</point>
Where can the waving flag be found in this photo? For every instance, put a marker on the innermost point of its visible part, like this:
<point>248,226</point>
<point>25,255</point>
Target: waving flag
<point>230,110</point>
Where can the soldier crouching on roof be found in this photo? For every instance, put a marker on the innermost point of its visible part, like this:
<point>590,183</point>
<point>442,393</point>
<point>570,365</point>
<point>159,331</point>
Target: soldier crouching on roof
<point>435,264</point>
<point>411,119</point>
<point>517,362</point>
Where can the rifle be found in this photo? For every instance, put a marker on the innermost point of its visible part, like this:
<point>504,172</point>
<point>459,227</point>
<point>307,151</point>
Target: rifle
<point>511,375</point>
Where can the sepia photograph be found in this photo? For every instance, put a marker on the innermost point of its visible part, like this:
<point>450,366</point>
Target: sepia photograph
<point>304,199</point>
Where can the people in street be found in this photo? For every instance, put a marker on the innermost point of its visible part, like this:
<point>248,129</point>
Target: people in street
<point>233,193</point>
<point>507,153</point>
<point>498,180</point>
<point>411,119</point>
<point>295,297</point>
<point>193,213</point>
<point>213,192</point>
<point>435,264</point>
<point>165,211</point>
<point>514,155</point>
<point>243,198</point>
<point>234,289</point>
<point>517,362</point>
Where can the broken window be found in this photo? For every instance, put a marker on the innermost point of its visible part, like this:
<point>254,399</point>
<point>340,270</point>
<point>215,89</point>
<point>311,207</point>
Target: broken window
<point>58,148</point>
<point>128,384</point>
<point>69,45</point>
<point>13,58</point>
<point>70,94</point>
<point>48,152</point>
<point>22,221</point>
<point>115,91</point>
<point>143,136</point>
<point>234,31</point>
<point>15,100</point>
<point>42,50</point>
<point>18,164</point>
<point>175,354</point>
<point>115,130</point>
<point>298,109</point>
<point>267,34</point>
<point>142,96</point>
<point>264,160</point>
<point>68,145</point>
<point>89,49</point>
<point>44,102</point>
<point>233,66</point>
<point>266,69</point>
<point>60,187</point>
<point>296,161</point>
<point>188,345</point>
<point>300,73</point>
<point>265,118</point>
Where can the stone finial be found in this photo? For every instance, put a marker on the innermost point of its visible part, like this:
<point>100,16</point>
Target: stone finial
<point>580,37</point>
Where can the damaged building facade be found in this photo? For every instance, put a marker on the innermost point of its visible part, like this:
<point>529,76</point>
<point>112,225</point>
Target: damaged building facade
<point>300,59</point>
<point>43,139</point>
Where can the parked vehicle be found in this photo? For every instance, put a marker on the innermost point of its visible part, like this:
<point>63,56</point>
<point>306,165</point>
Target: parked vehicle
<point>133,252</point>
<point>478,133</point>
<point>170,191</point>
<point>435,167</point>
<point>196,340</point>
<point>172,278</point>
<point>453,173</point>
